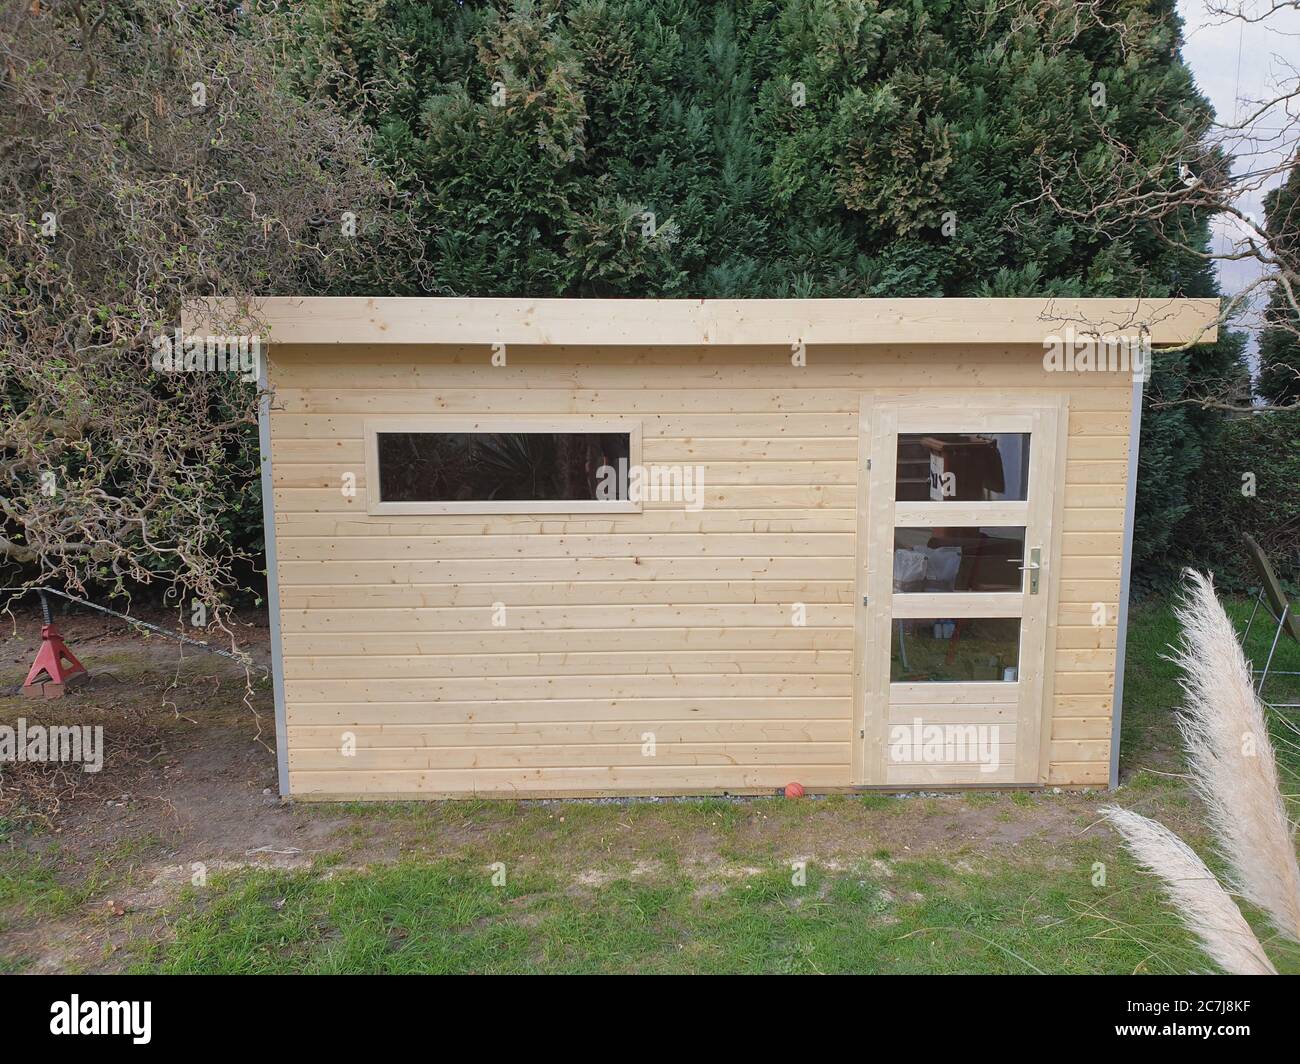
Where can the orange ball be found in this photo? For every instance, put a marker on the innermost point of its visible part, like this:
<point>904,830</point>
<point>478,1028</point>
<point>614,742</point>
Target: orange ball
<point>794,790</point>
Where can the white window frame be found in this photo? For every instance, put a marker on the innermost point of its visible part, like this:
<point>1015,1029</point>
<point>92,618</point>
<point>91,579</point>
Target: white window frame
<point>498,425</point>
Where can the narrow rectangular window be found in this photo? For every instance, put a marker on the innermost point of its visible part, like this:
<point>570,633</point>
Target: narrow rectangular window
<point>962,467</point>
<point>570,467</point>
<point>958,559</point>
<point>955,650</point>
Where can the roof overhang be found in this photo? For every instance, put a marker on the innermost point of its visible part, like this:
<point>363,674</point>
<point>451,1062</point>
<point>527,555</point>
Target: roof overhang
<point>322,320</point>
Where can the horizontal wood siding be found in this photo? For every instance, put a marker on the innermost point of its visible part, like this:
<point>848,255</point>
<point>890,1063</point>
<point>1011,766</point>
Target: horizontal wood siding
<point>650,652</point>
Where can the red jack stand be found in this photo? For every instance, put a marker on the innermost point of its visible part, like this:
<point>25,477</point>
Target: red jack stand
<point>49,677</point>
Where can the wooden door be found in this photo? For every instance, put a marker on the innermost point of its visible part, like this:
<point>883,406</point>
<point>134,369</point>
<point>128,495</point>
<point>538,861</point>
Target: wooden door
<point>959,498</point>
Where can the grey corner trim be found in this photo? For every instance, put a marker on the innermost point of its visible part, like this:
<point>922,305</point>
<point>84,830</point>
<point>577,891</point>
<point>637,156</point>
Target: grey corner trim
<point>1126,565</point>
<point>272,575</point>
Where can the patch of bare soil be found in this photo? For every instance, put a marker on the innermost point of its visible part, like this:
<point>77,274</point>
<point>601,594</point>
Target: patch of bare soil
<point>185,776</point>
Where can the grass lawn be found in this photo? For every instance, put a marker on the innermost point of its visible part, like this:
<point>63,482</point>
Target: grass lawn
<point>883,915</point>
<point>1002,883</point>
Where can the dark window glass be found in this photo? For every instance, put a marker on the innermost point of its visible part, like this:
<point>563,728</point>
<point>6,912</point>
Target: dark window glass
<point>955,650</point>
<point>502,466</point>
<point>958,559</point>
<point>962,467</point>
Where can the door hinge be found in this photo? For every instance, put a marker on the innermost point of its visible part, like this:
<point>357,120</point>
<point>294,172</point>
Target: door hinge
<point>862,733</point>
<point>868,463</point>
<point>864,600</point>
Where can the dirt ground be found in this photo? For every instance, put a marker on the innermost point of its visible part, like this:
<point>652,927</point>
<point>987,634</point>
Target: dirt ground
<point>188,785</point>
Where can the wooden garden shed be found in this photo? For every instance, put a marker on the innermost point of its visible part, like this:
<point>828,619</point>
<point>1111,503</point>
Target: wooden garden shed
<point>541,547</point>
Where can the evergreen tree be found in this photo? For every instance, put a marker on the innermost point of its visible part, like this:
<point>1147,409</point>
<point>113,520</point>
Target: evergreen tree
<point>768,148</point>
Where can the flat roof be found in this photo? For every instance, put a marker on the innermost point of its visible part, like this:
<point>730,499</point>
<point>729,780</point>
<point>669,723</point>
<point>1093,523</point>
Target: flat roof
<point>698,322</point>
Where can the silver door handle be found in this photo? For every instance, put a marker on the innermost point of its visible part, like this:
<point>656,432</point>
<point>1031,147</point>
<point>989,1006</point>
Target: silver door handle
<point>1031,567</point>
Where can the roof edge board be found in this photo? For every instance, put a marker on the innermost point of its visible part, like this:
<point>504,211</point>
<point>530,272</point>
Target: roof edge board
<point>333,320</point>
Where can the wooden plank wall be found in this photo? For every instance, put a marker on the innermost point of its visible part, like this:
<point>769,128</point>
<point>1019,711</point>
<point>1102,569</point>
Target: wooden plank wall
<point>666,622</point>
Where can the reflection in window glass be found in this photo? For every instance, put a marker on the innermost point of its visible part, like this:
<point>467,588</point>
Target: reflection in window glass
<point>962,467</point>
<point>958,559</point>
<point>502,466</point>
<point>960,650</point>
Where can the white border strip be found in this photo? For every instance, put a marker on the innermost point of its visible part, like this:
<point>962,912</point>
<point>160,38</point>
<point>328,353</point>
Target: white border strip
<point>1126,565</point>
<point>272,575</point>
